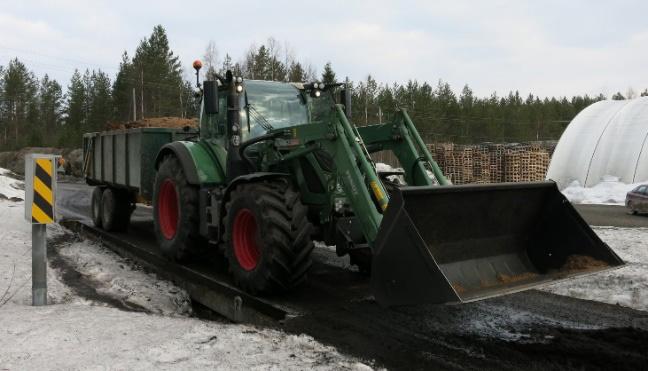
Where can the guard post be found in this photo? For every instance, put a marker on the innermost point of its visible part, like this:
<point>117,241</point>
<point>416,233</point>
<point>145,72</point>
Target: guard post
<point>40,205</point>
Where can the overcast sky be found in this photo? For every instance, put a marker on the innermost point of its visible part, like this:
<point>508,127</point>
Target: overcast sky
<point>551,48</point>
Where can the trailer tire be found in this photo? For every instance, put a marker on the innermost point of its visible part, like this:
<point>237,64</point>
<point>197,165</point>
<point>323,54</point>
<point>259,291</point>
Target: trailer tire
<point>267,239</point>
<point>95,206</point>
<point>115,210</point>
<point>175,212</point>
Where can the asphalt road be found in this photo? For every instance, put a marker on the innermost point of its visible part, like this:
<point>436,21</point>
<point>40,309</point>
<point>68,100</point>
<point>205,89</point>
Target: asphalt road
<point>74,203</point>
<point>529,330</point>
<point>611,215</point>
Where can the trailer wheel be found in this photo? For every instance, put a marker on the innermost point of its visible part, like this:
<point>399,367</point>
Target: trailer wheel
<point>175,212</point>
<point>267,239</point>
<point>115,210</point>
<point>96,206</point>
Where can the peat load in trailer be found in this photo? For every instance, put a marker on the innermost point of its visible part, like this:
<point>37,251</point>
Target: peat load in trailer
<point>277,165</point>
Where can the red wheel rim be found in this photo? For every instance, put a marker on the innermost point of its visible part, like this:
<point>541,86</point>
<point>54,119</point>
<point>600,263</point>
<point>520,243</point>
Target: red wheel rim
<point>168,209</point>
<point>244,233</point>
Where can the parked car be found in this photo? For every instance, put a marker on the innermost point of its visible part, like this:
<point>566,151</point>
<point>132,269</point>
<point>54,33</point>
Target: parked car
<point>637,199</point>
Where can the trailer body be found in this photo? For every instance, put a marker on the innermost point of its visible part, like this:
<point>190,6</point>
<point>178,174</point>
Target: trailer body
<point>124,158</point>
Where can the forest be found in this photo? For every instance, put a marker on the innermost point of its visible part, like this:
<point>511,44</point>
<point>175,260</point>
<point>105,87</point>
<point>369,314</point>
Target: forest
<point>39,111</point>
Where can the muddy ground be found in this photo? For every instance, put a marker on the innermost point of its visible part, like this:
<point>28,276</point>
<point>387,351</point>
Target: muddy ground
<point>529,330</point>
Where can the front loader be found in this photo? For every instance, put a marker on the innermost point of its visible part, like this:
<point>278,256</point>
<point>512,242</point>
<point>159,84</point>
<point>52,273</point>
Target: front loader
<point>278,165</point>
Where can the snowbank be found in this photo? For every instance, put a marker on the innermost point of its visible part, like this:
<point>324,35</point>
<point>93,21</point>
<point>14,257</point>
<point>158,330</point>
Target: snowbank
<point>10,187</point>
<point>610,191</point>
<point>118,278</point>
<point>627,286</point>
<point>79,333</point>
<point>78,336</point>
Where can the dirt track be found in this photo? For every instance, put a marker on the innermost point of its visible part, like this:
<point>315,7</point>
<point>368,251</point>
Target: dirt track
<point>529,330</point>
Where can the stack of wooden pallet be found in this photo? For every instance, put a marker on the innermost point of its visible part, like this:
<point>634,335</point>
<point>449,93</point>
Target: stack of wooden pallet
<point>482,165</point>
<point>492,163</point>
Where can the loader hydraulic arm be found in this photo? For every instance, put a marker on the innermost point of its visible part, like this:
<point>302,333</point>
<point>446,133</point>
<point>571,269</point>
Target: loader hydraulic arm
<point>357,175</point>
<point>401,137</point>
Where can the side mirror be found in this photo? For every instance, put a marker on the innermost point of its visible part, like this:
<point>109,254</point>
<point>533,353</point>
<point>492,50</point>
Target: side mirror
<point>210,96</point>
<point>345,98</point>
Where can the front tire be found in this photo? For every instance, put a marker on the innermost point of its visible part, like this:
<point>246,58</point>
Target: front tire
<point>267,238</point>
<point>175,212</point>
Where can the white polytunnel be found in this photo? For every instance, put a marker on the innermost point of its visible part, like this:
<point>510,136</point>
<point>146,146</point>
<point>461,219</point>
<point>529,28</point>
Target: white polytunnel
<point>608,138</point>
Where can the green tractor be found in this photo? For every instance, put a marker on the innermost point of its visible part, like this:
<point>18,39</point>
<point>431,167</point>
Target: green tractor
<point>278,165</point>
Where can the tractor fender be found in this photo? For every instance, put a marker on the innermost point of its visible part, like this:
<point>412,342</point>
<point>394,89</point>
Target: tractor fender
<point>199,165</point>
<point>247,178</point>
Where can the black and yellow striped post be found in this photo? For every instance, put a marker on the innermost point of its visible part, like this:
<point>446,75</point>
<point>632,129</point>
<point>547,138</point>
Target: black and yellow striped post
<point>40,190</point>
<point>42,208</point>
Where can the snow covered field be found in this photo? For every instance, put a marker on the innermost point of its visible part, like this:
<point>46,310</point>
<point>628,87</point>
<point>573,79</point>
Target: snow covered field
<point>608,192</point>
<point>73,332</point>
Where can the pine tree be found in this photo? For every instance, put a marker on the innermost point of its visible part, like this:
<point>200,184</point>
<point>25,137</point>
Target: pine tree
<point>261,64</point>
<point>50,107</point>
<point>18,103</point>
<point>77,104</point>
<point>122,90</point>
<point>328,75</point>
<point>644,93</point>
<point>296,73</point>
<point>157,74</point>
<point>100,101</point>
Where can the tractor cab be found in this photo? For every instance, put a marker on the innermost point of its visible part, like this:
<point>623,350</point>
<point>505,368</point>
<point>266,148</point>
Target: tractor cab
<point>267,105</point>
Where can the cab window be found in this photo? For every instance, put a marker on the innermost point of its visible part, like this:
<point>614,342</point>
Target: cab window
<point>272,105</point>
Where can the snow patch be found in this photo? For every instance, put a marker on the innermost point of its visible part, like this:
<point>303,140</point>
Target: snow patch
<point>78,336</point>
<point>121,279</point>
<point>610,191</point>
<point>626,286</point>
<point>74,333</point>
<point>10,187</point>
<point>15,259</point>
<point>380,167</point>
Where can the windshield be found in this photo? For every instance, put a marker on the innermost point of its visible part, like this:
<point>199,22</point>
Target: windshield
<point>273,105</point>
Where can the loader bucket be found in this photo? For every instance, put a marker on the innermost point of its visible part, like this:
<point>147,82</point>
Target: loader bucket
<point>455,244</point>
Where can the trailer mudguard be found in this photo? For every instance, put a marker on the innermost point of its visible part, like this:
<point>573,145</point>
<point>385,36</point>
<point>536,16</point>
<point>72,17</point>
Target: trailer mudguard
<point>200,165</point>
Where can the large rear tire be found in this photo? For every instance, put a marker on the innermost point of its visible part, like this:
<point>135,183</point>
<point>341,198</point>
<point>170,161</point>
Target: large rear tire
<point>175,212</point>
<point>115,210</point>
<point>267,239</point>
